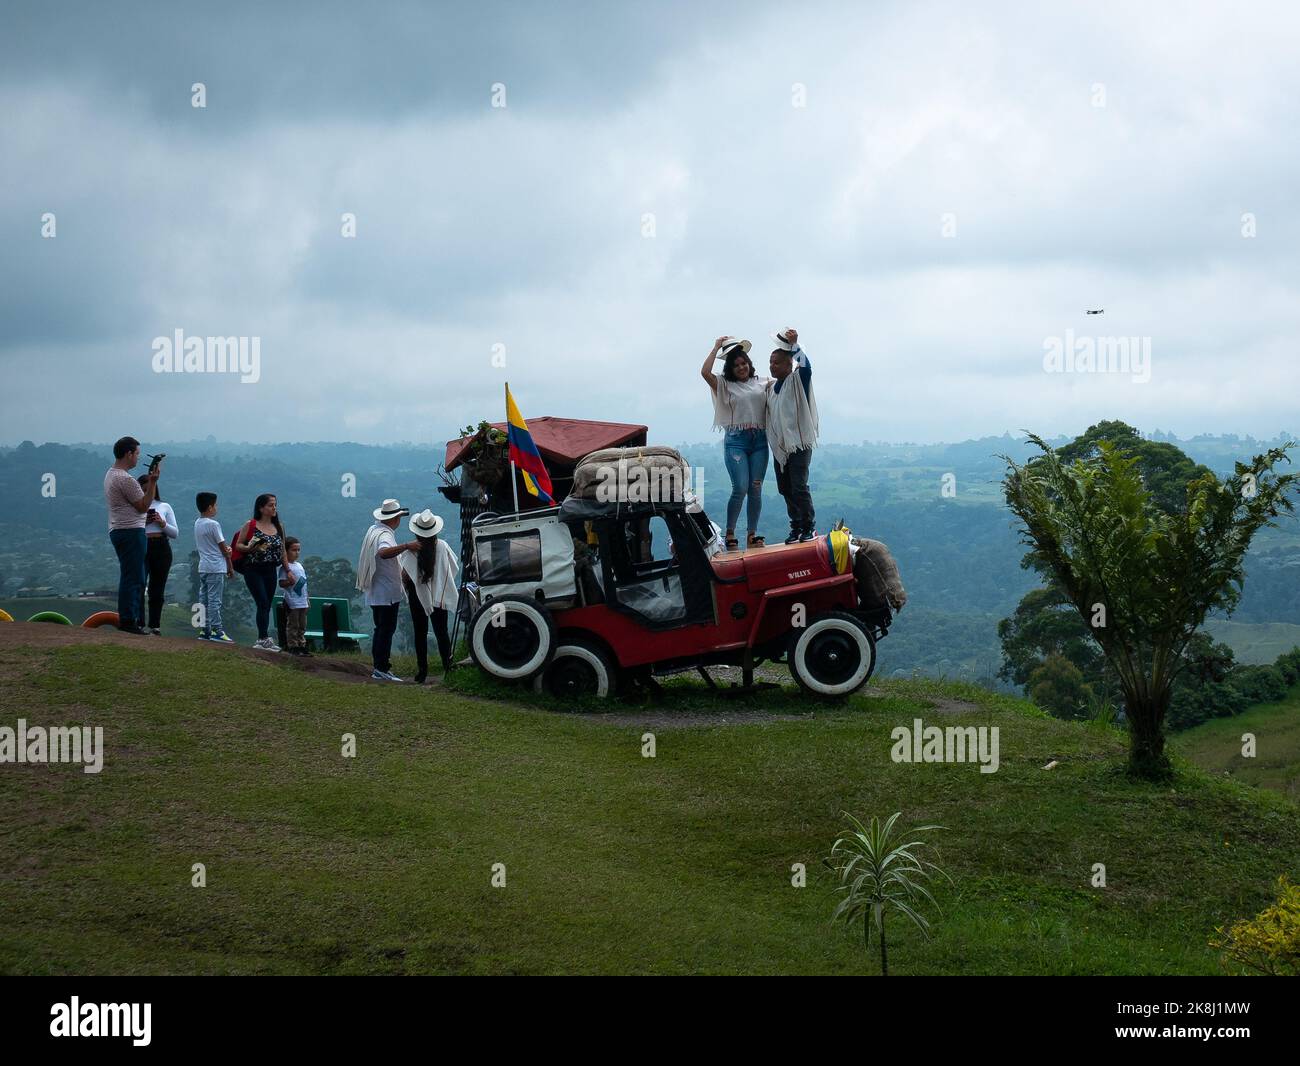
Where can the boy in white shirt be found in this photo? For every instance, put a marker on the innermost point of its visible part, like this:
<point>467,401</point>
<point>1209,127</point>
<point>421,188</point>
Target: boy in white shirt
<point>214,567</point>
<point>293,581</point>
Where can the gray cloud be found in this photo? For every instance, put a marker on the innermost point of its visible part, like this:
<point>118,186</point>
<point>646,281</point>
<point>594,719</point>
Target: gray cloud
<point>523,227</point>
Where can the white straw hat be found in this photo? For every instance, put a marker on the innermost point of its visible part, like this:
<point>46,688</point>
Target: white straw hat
<point>390,509</point>
<point>733,342</point>
<point>782,343</point>
<point>426,524</point>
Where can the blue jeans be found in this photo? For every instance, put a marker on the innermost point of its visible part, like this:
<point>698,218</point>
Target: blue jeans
<point>746,452</point>
<point>130,545</point>
<point>212,588</point>
<point>261,581</point>
<point>381,643</point>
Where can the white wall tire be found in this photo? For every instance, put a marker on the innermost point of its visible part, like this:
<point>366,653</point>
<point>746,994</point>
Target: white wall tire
<point>512,638</point>
<point>578,670</point>
<point>833,655</point>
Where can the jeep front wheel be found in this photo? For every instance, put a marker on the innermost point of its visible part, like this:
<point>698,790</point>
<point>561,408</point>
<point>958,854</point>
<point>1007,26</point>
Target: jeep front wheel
<point>833,655</point>
<point>512,637</point>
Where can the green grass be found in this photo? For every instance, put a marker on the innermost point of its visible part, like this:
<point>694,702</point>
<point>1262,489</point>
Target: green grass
<point>614,862</point>
<point>1217,746</point>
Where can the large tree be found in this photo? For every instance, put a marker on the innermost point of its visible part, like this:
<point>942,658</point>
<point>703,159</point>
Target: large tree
<point>1143,577</point>
<point>1045,624</point>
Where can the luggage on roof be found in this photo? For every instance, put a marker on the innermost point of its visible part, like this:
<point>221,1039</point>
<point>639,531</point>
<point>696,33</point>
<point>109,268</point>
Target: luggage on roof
<point>648,474</point>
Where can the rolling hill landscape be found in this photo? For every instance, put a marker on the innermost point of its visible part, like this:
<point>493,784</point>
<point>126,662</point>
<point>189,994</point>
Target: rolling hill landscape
<point>475,832</point>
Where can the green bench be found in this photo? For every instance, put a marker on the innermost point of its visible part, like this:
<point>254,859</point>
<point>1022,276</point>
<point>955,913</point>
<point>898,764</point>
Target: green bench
<point>329,622</point>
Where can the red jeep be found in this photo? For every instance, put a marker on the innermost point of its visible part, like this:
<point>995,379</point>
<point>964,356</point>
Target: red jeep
<point>580,599</point>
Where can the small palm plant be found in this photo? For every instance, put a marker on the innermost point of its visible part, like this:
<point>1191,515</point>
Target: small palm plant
<point>877,875</point>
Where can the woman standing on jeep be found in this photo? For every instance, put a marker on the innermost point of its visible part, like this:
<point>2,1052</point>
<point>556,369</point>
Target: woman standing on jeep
<point>740,410</point>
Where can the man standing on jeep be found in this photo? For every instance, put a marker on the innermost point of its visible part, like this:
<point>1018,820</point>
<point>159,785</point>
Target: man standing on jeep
<point>792,431</point>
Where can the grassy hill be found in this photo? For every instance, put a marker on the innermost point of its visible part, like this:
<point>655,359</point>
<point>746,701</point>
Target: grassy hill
<point>614,862</point>
<point>1216,746</point>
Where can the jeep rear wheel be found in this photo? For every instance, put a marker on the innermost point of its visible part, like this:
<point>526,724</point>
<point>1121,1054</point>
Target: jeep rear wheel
<point>512,637</point>
<point>833,655</point>
<point>579,670</point>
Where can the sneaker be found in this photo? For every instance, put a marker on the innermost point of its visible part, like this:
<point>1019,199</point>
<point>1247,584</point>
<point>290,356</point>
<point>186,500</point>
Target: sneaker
<point>220,637</point>
<point>266,644</point>
<point>794,536</point>
<point>135,631</point>
<point>384,675</point>
<point>807,535</point>
<point>205,636</point>
<point>155,632</point>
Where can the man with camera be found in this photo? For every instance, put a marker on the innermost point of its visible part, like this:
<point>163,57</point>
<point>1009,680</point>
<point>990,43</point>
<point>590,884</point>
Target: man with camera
<point>128,505</point>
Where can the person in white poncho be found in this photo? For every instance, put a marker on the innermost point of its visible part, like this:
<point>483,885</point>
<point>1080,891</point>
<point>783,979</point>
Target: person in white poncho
<point>379,576</point>
<point>792,431</point>
<point>430,576</point>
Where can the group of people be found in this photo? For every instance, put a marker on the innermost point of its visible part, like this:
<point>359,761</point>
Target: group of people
<point>758,415</point>
<point>424,571</point>
<point>141,527</point>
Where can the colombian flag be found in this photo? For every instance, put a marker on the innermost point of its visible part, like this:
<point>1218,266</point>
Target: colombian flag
<point>524,454</point>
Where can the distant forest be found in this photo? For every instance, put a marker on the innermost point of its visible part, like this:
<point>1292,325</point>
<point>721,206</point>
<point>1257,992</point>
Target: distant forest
<point>939,507</point>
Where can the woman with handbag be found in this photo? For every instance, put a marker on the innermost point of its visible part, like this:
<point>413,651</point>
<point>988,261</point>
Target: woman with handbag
<point>259,554</point>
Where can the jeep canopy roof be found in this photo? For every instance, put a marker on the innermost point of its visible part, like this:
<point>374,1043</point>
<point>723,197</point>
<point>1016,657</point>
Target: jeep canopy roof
<point>561,441</point>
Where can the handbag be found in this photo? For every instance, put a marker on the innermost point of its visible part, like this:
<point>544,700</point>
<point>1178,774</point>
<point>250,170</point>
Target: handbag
<point>239,559</point>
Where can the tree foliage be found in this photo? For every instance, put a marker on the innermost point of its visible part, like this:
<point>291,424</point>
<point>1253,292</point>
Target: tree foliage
<point>1269,943</point>
<point>878,875</point>
<point>1142,577</point>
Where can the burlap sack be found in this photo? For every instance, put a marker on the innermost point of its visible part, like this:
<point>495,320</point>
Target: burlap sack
<point>651,474</point>
<point>876,574</point>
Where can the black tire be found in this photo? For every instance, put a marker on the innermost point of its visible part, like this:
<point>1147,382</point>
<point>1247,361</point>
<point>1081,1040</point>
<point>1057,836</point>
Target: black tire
<point>579,669</point>
<point>512,637</point>
<point>833,656</point>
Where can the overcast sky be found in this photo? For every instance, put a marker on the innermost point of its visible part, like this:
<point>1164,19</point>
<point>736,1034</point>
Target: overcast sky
<point>928,192</point>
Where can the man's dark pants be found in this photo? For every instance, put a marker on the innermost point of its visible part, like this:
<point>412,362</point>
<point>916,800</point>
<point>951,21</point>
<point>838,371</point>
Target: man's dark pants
<point>381,644</point>
<point>131,546</point>
<point>792,484</point>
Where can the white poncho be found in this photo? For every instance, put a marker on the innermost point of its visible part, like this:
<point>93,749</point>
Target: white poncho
<point>792,413</point>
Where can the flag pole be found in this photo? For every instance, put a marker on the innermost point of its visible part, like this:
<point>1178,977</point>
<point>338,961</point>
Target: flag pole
<point>514,481</point>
